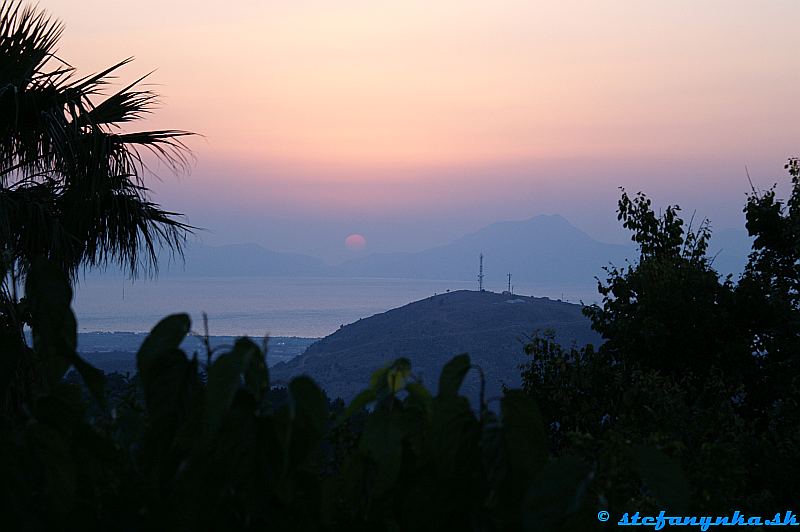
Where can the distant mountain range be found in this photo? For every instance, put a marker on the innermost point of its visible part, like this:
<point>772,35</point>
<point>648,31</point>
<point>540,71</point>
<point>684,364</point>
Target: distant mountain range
<point>491,327</point>
<point>546,249</point>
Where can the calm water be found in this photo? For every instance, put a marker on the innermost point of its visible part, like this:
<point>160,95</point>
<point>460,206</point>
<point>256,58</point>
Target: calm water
<point>255,306</point>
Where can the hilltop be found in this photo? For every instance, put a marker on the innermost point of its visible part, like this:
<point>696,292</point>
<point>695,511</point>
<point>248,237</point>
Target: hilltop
<point>491,327</point>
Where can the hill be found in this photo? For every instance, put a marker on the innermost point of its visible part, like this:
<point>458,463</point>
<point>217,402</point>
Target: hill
<point>491,327</point>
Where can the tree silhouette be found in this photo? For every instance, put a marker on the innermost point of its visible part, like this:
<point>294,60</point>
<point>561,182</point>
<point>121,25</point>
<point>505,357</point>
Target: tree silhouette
<point>703,367</point>
<point>71,180</point>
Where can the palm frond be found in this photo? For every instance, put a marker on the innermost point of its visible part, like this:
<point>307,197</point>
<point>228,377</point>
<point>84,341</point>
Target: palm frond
<point>126,105</point>
<point>27,40</point>
<point>71,178</point>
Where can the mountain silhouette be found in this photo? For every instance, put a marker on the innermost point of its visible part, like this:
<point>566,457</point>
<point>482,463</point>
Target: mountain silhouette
<point>543,249</point>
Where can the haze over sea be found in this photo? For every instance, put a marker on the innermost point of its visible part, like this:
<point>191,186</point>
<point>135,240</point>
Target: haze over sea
<point>308,307</point>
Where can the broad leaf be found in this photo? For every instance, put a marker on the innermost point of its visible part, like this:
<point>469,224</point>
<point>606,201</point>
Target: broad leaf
<point>453,375</point>
<point>358,403</point>
<point>397,375</point>
<point>166,336</point>
<point>242,367</point>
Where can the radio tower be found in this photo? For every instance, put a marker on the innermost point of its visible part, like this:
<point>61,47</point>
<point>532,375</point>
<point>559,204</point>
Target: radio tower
<point>509,284</point>
<point>480,274</point>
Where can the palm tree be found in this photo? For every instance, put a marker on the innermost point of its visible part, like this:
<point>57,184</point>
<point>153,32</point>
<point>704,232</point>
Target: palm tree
<point>71,180</point>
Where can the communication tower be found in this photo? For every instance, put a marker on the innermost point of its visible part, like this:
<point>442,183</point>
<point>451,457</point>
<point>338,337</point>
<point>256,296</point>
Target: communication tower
<point>480,274</point>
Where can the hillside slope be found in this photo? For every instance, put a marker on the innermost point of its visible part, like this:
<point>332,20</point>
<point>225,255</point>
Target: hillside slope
<point>491,327</point>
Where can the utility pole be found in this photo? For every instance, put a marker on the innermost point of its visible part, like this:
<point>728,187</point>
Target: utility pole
<point>480,274</point>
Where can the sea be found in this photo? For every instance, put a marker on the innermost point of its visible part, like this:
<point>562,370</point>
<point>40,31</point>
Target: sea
<point>255,306</point>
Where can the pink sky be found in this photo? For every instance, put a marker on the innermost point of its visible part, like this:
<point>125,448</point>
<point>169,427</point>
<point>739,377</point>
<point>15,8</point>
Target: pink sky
<point>363,116</point>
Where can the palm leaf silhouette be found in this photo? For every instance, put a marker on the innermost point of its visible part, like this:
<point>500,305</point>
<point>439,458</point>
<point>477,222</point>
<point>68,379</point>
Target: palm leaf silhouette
<point>71,178</point>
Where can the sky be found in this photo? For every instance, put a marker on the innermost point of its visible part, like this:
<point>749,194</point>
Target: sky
<point>414,122</point>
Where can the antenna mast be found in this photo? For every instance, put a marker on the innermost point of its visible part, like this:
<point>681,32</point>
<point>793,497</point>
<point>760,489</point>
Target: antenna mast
<point>480,274</point>
<point>509,284</point>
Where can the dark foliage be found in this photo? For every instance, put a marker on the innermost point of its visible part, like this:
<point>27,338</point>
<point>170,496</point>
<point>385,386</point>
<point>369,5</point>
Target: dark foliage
<point>186,447</point>
<point>700,367</point>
